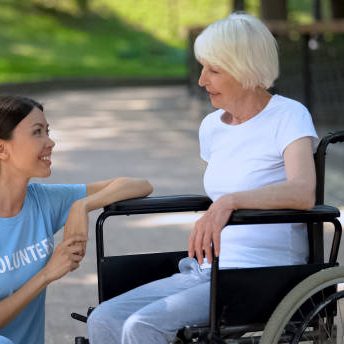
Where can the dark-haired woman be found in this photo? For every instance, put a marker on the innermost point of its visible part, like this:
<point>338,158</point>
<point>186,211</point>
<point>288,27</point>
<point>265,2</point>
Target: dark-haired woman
<point>31,213</point>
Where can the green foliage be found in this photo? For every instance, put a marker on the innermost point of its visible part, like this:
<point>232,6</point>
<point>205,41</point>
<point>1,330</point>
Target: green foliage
<point>38,43</point>
<point>167,20</point>
<point>43,39</point>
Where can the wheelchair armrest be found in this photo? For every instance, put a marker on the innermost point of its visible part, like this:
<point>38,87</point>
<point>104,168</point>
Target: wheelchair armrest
<point>183,203</point>
<point>160,204</point>
<point>319,213</point>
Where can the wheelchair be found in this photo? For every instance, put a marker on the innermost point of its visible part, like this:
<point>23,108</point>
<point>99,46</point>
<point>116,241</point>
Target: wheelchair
<point>267,305</point>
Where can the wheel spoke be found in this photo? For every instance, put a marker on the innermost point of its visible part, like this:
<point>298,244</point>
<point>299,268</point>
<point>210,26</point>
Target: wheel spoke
<point>316,304</point>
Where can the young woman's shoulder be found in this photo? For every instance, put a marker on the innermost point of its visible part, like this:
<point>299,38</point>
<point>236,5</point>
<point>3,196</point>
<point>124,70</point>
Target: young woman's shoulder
<point>56,191</point>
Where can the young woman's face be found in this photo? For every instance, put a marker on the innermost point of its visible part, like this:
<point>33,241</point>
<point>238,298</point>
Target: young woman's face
<point>29,149</point>
<point>222,88</point>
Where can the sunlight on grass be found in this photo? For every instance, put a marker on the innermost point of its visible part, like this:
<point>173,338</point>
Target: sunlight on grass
<point>166,20</point>
<point>23,49</point>
<point>115,38</point>
<point>45,45</point>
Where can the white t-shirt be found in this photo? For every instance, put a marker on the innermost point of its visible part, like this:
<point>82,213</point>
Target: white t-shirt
<point>249,156</point>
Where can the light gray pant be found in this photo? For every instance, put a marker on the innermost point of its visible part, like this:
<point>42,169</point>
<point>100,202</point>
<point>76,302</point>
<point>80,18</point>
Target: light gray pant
<point>153,313</point>
<point>4,340</point>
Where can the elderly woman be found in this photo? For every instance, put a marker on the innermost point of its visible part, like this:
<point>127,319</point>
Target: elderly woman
<point>259,151</point>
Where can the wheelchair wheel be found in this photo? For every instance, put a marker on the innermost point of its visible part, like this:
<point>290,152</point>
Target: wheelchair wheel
<point>312,312</point>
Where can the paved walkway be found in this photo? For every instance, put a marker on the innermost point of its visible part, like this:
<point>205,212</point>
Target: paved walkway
<point>149,132</point>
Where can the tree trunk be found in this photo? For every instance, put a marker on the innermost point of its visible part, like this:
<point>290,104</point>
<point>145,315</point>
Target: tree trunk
<point>317,13</point>
<point>238,5</point>
<point>337,7</point>
<point>273,10</point>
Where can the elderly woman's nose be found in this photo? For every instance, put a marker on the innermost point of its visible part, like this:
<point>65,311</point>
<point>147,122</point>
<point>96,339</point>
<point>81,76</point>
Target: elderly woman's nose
<point>202,79</point>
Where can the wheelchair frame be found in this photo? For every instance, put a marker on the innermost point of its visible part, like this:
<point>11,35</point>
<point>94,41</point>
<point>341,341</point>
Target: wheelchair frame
<point>228,310</point>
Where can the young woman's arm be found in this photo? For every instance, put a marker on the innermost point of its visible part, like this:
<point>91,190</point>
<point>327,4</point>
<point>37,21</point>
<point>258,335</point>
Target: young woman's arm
<point>103,193</point>
<point>99,195</point>
<point>65,258</point>
<point>297,192</point>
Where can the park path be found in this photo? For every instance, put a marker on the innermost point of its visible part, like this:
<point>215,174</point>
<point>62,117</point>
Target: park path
<point>149,132</point>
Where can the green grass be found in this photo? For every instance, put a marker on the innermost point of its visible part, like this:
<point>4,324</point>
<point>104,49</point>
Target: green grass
<point>40,43</point>
<point>116,38</point>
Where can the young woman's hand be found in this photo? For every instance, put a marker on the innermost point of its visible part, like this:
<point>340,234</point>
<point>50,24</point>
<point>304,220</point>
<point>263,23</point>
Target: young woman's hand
<point>77,224</point>
<point>66,257</point>
<point>207,230</point>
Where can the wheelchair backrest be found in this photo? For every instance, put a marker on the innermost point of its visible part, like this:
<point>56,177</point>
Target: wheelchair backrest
<point>315,232</point>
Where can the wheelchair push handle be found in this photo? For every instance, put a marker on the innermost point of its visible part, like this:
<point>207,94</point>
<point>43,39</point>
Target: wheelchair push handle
<point>336,137</point>
<point>332,137</point>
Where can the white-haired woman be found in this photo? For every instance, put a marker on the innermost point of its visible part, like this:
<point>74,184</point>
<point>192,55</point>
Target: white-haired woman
<point>259,150</point>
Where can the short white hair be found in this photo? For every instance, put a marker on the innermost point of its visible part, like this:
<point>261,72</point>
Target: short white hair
<point>243,46</point>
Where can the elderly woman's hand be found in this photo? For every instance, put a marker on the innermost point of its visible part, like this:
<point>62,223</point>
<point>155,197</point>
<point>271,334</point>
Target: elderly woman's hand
<point>207,229</point>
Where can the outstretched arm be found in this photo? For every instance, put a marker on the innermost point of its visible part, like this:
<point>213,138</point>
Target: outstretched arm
<point>69,252</point>
<point>99,195</point>
<point>103,193</point>
<point>297,192</point>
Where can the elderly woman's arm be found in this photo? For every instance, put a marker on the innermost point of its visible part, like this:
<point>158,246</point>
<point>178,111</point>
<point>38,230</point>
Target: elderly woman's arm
<point>297,192</point>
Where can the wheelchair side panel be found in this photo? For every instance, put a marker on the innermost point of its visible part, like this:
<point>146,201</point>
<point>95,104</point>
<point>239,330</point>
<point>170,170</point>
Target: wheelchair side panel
<point>249,296</point>
<point>119,274</point>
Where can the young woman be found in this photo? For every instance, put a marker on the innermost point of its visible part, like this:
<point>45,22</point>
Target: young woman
<point>30,214</point>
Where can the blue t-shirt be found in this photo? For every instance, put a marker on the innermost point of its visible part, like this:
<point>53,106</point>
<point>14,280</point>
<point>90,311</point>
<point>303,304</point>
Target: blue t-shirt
<point>26,244</point>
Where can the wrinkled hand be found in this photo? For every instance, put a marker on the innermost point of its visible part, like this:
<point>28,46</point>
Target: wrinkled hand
<point>77,224</point>
<point>207,230</point>
<point>66,257</point>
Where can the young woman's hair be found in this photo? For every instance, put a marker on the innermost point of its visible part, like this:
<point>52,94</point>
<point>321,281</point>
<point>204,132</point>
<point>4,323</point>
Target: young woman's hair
<point>12,110</point>
<point>243,46</point>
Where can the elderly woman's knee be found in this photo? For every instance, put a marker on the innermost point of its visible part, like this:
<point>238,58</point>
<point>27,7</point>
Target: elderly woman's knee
<point>97,317</point>
<point>135,324</point>
<point>103,319</point>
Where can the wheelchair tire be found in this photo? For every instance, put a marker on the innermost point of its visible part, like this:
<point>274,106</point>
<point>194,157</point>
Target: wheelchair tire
<point>321,292</point>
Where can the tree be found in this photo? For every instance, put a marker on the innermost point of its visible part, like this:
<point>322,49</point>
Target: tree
<point>337,7</point>
<point>273,10</point>
<point>238,5</point>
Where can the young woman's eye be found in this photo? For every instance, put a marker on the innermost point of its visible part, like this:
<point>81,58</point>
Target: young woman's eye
<point>37,131</point>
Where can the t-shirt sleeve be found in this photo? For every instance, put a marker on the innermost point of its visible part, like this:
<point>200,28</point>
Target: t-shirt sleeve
<point>57,199</point>
<point>204,140</point>
<point>295,124</point>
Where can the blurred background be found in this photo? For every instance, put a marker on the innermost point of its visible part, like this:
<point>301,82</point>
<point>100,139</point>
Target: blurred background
<point>112,42</point>
<point>119,83</point>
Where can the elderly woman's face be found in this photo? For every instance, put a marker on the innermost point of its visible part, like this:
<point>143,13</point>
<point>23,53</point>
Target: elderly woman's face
<point>222,88</point>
